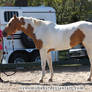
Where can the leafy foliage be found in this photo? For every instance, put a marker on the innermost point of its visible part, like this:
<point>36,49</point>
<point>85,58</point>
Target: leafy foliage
<point>6,2</point>
<point>66,10</point>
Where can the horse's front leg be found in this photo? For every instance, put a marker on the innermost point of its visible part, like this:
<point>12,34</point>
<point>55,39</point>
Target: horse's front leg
<point>43,62</point>
<point>49,60</point>
<point>0,78</point>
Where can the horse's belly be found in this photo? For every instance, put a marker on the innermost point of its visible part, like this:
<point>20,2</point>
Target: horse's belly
<point>59,45</point>
<point>62,46</point>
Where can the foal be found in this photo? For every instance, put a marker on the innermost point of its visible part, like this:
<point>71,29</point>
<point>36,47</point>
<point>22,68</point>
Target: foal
<point>49,36</point>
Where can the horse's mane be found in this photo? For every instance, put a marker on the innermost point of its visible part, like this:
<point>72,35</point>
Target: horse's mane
<point>38,20</point>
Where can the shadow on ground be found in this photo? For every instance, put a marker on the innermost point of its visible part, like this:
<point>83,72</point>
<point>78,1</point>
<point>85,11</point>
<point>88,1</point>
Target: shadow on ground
<point>50,84</point>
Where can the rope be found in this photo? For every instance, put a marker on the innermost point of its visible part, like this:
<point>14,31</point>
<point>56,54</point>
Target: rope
<point>12,42</point>
<point>4,72</point>
<point>14,71</point>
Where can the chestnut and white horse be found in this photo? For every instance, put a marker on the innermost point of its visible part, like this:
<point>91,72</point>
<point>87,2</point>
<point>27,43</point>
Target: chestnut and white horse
<point>49,36</point>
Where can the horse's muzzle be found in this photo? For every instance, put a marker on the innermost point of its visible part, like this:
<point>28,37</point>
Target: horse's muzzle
<point>4,34</point>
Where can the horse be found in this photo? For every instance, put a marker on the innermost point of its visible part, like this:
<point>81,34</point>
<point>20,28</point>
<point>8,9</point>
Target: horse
<point>49,36</point>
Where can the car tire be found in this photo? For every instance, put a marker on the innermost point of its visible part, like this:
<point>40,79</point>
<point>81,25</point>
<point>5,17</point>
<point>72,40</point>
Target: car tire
<point>19,57</point>
<point>35,56</point>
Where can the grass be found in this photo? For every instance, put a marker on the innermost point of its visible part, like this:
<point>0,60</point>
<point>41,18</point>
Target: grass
<point>63,54</point>
<point>31,66</point>
<point>19,66</point>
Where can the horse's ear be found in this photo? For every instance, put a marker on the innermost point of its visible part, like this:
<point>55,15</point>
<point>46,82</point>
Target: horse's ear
<point>15,16</point>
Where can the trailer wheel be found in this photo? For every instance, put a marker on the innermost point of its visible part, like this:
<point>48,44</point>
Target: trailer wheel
<point>26,41</point>
<point>35,56</point>
<point>18,57</point>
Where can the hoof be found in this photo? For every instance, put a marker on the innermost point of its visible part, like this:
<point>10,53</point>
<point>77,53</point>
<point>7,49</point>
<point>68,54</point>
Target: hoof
<point>1,80</point>
<point>50,80</point>
<point>89,79</point>
<point>41,81</point>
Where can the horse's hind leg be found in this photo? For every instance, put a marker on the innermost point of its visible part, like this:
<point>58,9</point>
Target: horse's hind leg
<point>89,52</point>
<point>49,60</point>
<point>89,79</point>
<point>90,58</point>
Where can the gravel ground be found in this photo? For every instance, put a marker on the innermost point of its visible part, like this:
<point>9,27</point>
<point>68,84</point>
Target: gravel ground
<point>66,79</point>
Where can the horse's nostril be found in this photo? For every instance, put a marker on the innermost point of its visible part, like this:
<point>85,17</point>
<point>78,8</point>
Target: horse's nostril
<point>4,34</point>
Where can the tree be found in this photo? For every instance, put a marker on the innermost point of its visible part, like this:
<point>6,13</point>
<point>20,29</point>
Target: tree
<point>21,3</point>
<point>6,2</point>
<point>66,10</point>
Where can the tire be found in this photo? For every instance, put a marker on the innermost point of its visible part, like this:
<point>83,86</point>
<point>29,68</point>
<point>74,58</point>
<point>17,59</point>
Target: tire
<point>26,41</point>
<point>35,56</point>
<point>19,57</point>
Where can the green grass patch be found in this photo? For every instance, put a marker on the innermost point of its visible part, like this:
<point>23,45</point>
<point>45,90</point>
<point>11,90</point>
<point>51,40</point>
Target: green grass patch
<point>20,66</point>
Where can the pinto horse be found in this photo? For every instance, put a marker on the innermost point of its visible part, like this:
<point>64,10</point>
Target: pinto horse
<point>49,36</point>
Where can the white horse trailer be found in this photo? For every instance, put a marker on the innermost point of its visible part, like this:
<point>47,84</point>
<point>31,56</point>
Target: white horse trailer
<point>21,48</point>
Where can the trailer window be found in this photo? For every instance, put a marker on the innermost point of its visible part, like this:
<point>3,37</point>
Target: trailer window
<point>9,14</point>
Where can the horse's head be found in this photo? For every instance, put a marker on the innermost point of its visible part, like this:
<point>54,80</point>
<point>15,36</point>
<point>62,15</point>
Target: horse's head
<point>13,26</point>
<point>23,24</point>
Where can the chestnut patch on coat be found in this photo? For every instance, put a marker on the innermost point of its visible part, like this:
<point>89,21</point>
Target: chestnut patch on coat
<point>22,21</point>
<point>76,38</point>
<point>49,50</point>
<point>29,32</point>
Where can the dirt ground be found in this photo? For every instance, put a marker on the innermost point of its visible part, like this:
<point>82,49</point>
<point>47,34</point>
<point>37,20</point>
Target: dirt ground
<point>66,79</point>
